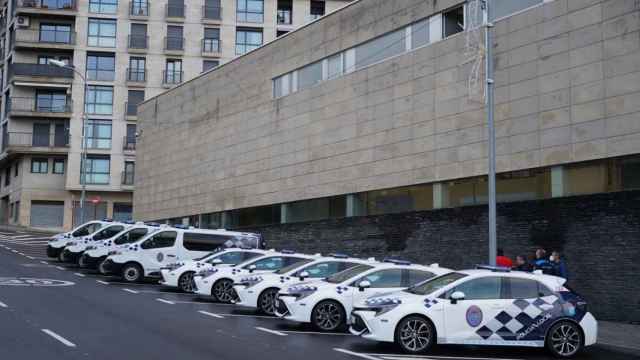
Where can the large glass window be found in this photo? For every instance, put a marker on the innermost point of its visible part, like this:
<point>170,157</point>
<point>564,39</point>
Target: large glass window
<point>390,278</point>
<point>101,67</point>
<point>271,263</point>
<point>51,101</point>
<point>453,21</point>
<point>261,215</point>
<point>285,12</point>
<point>316,209</point>
<point>140,7</point>
<point>98,134</point>
<point>247,40</point>
<point>103,6</point>
<point>486,288</point>
<point>97,170</point>
<point>173,71</point>
<point>310,75</point>
<point>162,239</point>
<point>204,242</point>
<point>589,178</point>
<point>108,232</point>
<point>250,11</point>
<point>39,165</point>
<point>99,100</point>
<point>380,48</point>
<point>102,33</point>
<point>409,198</point>
<point>137,69</point>
<point>131,236</point>
<point>58,166</point>
<point>420,33</point>
<point>211,40</point>
<point>55,33</point>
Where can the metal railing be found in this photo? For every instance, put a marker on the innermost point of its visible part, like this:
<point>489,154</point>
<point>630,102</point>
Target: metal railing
<point>138,42</point>
<point>212,12</point>
<point>174,11</point>
<point>128,178</point>
<point>39,70</point>
<point>174,43</point>
<point>171,77</point>
<point>139,8</point>
<point>27,139</point>
<point>43,36</point>
<point>32,104</point>
<point>129,143</point>
<point>136,75</point>
<point>210,45</point>
<point>47,4</point>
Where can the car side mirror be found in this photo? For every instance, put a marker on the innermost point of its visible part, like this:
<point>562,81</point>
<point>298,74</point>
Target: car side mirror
<point>216,262</point>
<point>303,275</point>
<point>252,268</point>
<point>457,296</point>
<point>364,284</point>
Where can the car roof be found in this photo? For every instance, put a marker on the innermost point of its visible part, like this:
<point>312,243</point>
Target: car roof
<point>192,229</point>
<point>550,280</point>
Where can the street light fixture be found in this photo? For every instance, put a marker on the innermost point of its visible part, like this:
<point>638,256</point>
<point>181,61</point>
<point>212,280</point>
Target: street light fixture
<point>83,161</point>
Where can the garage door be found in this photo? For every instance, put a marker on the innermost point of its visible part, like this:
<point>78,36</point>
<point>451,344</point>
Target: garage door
<point>47,214</point>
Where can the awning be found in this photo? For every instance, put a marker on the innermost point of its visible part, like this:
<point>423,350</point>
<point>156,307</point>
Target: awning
<point>42,85</point>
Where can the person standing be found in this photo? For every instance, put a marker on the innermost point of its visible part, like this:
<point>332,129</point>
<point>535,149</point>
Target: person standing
<point>502,260</point>
<point>542,263</point>
<point>522,264</point>
<point>559,265</point>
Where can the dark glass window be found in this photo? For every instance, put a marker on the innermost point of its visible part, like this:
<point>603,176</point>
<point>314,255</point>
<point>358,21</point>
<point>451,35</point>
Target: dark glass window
<point>204,242</point>
<point>453,21</point>
<point>131,236</point>
<point>108,232</point>
<point>101,67</point>
<point>486,288</point>
<point>390,278</point>
<point>247,40</point>
<point>55,33</point>
<point>98,170</point>
<point>137,69</point>
<point>250,11</point>
<point>39,165</point>
<point>232,257</point>
<point>162,239</point>
<point>271,263</point>
<point>521,288</point>
<point>102,33</point>
<point>321,270</point>
<point>58,166</point>
<point>103,6</point>
<point>414,277</point>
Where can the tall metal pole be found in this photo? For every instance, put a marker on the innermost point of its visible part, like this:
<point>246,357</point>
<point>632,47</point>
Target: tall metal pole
<point>488,17</point>
<point>83,156</point>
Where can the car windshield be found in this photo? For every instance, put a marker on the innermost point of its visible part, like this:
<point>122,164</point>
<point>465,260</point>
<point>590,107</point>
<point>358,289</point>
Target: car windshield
<point>429,286</point>
<point>87,229</point>
<point>293,266</point>
<point>347,274</point>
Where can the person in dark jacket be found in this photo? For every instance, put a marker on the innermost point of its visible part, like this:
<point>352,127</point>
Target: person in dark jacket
<point>542,263</point>
<point>522,264</point>
<point>559,265</point>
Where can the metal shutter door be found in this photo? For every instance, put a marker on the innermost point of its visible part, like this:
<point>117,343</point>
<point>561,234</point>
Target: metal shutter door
<point>47,214</point>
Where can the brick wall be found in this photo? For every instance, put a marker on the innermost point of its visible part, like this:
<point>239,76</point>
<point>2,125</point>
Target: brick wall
<point>599,234</point>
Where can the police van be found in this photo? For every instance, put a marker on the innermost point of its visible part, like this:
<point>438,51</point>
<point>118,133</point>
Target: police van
<point>148,255</point>
<point>75,248</point>
<point>59,241</point>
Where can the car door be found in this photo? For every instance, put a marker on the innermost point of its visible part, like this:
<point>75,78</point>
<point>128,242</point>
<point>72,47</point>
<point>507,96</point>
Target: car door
<point>382,281</point>
<point>158,250</point>
<point>479,317</point>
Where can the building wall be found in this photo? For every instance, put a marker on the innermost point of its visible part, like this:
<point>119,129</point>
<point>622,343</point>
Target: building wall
<point>597,234</point>
<point>566,78</point>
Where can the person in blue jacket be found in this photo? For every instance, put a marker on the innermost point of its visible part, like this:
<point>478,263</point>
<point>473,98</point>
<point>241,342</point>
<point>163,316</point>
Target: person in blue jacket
<point>541,262</point>
<point>559,265</point>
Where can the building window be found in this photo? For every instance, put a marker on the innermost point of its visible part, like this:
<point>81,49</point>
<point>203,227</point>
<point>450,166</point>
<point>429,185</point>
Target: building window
<point>281,32</point>
<point>128,173</point>
<point>138,38</point>
<point>102,33</point>
<point>175,8</point>
<point>101,67</point>
<point>140,7</point>
<point>51,101</point>
<point>209,64</point>
<point>16,168</point>
<point>103,6</point>
<point>134,98</point>
<point>55,33</point>
<point>137,69</point>
<point>212,10</point>
<point>41,135</point>
<point>122,212</point>
<point>39,165</point>
<point>98,134</point>
<point>335,66</point>
<point>310,75</point>
<point>7,176</point>
<point>380,48</point>
<point>502,8</point>
<point>285,12</point>
<point>58,166</point>
<point>247,40</point>
<point>316,209</point>
<point>261,215</point>
<point>211,40</point>
<point>419,33</point>
<point>99,100</point>
<point>130,138</point>
<point>317,9</point>
<point>44,59</point>
<point>174,40</point>
<point>97,170</point>
<point>250,11</point>
<point>409,198</point>
<point>173,71</point>
<point>630,174</point>
<point>453,21</point>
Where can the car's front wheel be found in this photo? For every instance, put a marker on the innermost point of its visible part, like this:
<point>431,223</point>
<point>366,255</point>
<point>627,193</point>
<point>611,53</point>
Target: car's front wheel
<point>132,273</point>
<point>267,301</point>
<point>223,291</point>
<point>415,334</point>
<point>185,281</point>
<point>564,339</point>
<point>328,315</point>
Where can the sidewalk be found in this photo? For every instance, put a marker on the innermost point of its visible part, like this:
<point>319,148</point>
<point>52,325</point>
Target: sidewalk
<point>14,228</point>
<point>622,336</point>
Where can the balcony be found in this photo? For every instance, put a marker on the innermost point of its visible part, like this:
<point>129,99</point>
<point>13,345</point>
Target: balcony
<point>173,45</point>
<point>28,143</point>
<point>43,39</point>
<point>47,7</point>
<point>170,77</point>
<point>39,73</point>
<point>174,13</point>
<point>136,77</point>
<point>211,47</point>
<point>211,14</point>
<point>139,10</point>
<point>32,107</point>
<point>138,43</point>
<point>129,143</point>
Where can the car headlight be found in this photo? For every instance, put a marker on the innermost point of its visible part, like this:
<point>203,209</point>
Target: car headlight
<point>250,281</point>
<point>301,291</point>
<point>382,305</point>
<point>114,252</point>
<point>207,272</point>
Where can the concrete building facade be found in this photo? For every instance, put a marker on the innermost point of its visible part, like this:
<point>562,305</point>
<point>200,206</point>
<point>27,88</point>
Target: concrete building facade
<point>128,51</point>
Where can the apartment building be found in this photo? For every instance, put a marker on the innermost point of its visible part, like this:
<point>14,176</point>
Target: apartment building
<point>127,51</point>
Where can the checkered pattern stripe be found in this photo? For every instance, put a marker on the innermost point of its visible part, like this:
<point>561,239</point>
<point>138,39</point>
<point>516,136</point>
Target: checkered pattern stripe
<point>430,302</point>
<point>516,317</point>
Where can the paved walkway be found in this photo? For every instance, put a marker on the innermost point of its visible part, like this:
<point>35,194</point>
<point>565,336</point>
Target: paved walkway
<point>619,335</point>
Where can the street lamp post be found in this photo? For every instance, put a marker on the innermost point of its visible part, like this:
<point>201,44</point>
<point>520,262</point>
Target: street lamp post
<point>83,153</point>
<point>488,18</point>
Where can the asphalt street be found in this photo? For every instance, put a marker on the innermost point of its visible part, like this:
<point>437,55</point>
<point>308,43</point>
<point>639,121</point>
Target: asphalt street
<point>54,311</point>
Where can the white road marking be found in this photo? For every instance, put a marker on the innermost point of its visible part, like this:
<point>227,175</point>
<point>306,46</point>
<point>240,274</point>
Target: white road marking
<point>211,314</point>
<point>21,236</point>
<point>44,262</point>
<point>166,301</point>
<point>423,357</point>
<point>102,282</point>
<point>15,251</point>
<point>315,333</point>
<point>60,268</point>
<point>78,274</point>
<point>59,338</point>
<point>3,305</point>
<point>363,356</point>
<point>130,291</point>
<point>30,257</point>
<point>274,332</point>
<point>252,316</point>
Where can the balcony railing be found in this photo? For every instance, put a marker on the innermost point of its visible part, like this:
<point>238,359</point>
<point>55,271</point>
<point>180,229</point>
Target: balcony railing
<point>171,77</point>
<point>129,143</point>
<point>136,75</point>
<point>174,43</point>
<point>30,104</point>
<point>128,178</point>
<point>47,4</point>
<point>26,139</point>
<point>174,11</point>
<point>44,37</point>
<point>212,12</point>
<point>210,45</point>
<point>139,8</point>
<point>138,42</point>
<point>23,69</point>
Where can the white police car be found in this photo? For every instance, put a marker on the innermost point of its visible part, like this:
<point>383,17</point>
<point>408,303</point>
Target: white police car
<point>75,248</point>
<point>180,274</point>
<point>488,306</point>
<point>327,304</point>
<point>59,241</point>
<point>218,282</point>
<point>259,291</point>
<point>148,255</point>
<point>95,254</point>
